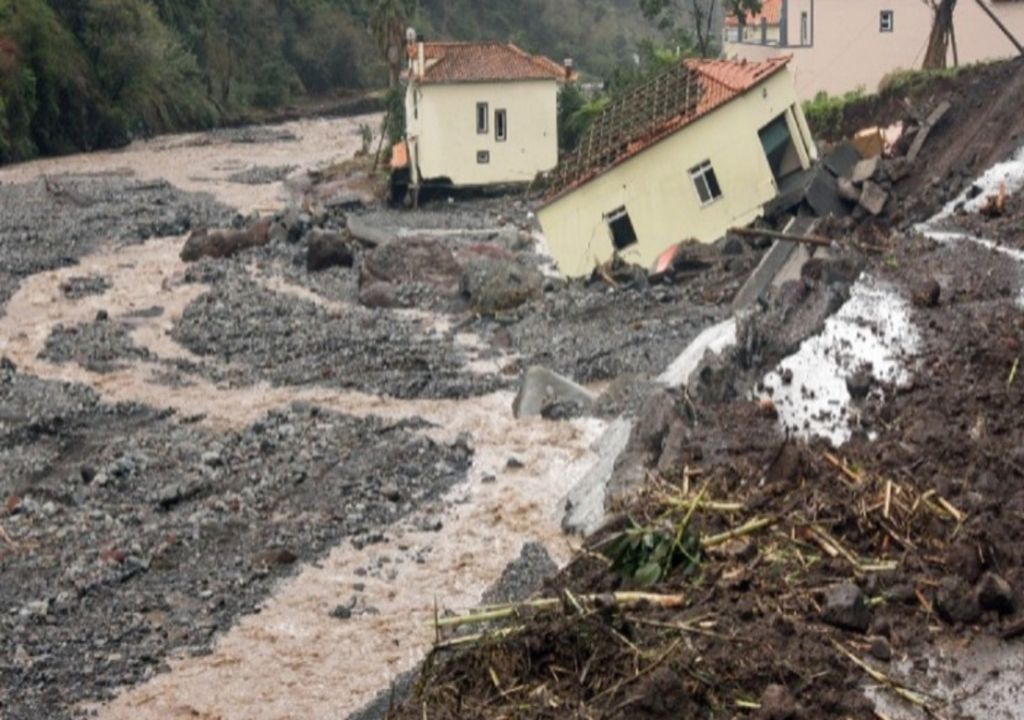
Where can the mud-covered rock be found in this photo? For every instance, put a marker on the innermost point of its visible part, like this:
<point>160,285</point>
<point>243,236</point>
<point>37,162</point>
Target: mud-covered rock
<point>846,608</point>
<point>326,249</point>
<point>995,594</point>
<point>224,243</point>
<point>926,293</point>
<point>494,286</point>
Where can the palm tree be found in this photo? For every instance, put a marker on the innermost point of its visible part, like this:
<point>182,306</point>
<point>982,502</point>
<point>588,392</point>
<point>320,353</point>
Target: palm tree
<point>388,22</point>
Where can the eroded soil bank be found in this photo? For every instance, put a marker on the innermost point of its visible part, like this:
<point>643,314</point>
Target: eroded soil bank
<point>827,538</point>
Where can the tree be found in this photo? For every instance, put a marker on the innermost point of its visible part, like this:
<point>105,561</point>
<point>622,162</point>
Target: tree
<point>388,23</point>
<point>942,33</point>
<point>701,15</point>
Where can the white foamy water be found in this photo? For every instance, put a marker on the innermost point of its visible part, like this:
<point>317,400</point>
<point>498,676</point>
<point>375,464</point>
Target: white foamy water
<point>1008,174</point>
<point>873,328</point>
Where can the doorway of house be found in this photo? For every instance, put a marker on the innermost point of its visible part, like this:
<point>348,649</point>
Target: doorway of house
<point>780,149</point>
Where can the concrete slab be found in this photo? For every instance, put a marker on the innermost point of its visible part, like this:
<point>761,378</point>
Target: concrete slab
<point>541,387</point>
<point>771,264</point>
<point>584,505</point>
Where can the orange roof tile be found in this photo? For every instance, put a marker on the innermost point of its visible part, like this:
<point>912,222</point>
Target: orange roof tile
<point>771,11</point>
<point>650,113</point>
<point>450,62</point>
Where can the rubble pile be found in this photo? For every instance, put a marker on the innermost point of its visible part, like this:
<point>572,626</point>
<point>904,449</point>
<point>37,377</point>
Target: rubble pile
<point>745,572</point>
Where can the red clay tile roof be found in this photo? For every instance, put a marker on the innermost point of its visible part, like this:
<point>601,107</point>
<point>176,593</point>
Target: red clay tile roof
<point>653,111</point>
<point>450,62</point>
<point>771,11</point>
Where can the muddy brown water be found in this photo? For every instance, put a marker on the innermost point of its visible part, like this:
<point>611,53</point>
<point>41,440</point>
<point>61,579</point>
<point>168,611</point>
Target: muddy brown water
<point>293,659</point>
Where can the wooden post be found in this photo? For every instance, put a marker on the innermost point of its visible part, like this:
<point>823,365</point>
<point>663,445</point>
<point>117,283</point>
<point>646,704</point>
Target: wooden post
<point>999,24</point>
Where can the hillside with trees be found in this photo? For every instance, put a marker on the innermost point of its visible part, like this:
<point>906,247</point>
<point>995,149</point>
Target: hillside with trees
<point>84,74</point>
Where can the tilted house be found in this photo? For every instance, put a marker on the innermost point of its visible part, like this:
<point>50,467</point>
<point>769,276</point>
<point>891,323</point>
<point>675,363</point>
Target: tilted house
<point>842,45</point>
<point>480,113</point>
<point>700,148</point>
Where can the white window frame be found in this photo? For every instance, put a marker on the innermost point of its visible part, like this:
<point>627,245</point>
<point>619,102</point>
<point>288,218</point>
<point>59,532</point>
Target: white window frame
<point>887,21</point>
<point>501,125</point>
<point>483,115</point>
<point>699,176</point>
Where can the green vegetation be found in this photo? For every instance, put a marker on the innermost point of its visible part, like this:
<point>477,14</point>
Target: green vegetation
<point>910,81</point>
<point>825,112</point>
<point>82,74</point>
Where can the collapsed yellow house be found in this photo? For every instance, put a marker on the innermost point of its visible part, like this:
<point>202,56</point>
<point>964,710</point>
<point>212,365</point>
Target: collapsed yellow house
<point>480,113</point>
<point>697,150</point>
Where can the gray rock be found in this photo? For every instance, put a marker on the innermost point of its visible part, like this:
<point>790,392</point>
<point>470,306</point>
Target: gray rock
<point>859,383</point>
<point>865,170</point>
<point>881,649</point>
<point>873,198</point>
<point>846,608</point>
<point>847,190</point>
<point>541,388</point>
<point>496,285</point>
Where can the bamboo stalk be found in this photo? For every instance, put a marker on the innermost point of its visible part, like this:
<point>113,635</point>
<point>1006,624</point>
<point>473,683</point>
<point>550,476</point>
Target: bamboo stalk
<point>911,696</point>
<point>624,599</point>
<point>747,529</point>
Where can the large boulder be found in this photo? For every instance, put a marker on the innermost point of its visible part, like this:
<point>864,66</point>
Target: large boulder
<point>223,243</point>
<point>494,286</point>
<point>423,261</point>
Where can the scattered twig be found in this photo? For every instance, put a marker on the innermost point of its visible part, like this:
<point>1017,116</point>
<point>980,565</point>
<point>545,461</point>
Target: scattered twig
<point>7,538</point>
<point>1013,372</point>
<point>747,529</point>
<point>473,639</point>
<point>912,696</point>
<point>841,467</point>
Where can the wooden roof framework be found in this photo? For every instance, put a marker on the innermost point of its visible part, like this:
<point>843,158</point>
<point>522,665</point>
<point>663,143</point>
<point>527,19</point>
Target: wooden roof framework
<point>639,114</point>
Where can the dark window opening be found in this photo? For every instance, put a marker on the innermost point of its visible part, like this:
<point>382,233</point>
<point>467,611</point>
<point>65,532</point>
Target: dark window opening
<point>483,157</point>
<point>887,21</point>
<point>706,182</point>
<point>500,125</point>
<point>482,112</point>
<point>779,148</point>
<point>623,234</point>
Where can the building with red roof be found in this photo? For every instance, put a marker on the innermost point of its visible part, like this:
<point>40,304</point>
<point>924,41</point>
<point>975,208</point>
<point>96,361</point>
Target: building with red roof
<point>839,46</point>
<point>699,148</point>
<point>480,113</point>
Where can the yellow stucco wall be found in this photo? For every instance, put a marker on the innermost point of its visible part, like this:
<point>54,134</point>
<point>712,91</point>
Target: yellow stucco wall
<point>657,191</point>
<point>441,125</point>
<point>848,51</point>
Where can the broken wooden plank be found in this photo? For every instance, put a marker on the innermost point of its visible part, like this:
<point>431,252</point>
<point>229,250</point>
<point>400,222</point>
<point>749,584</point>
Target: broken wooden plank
<point>929,124</point>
